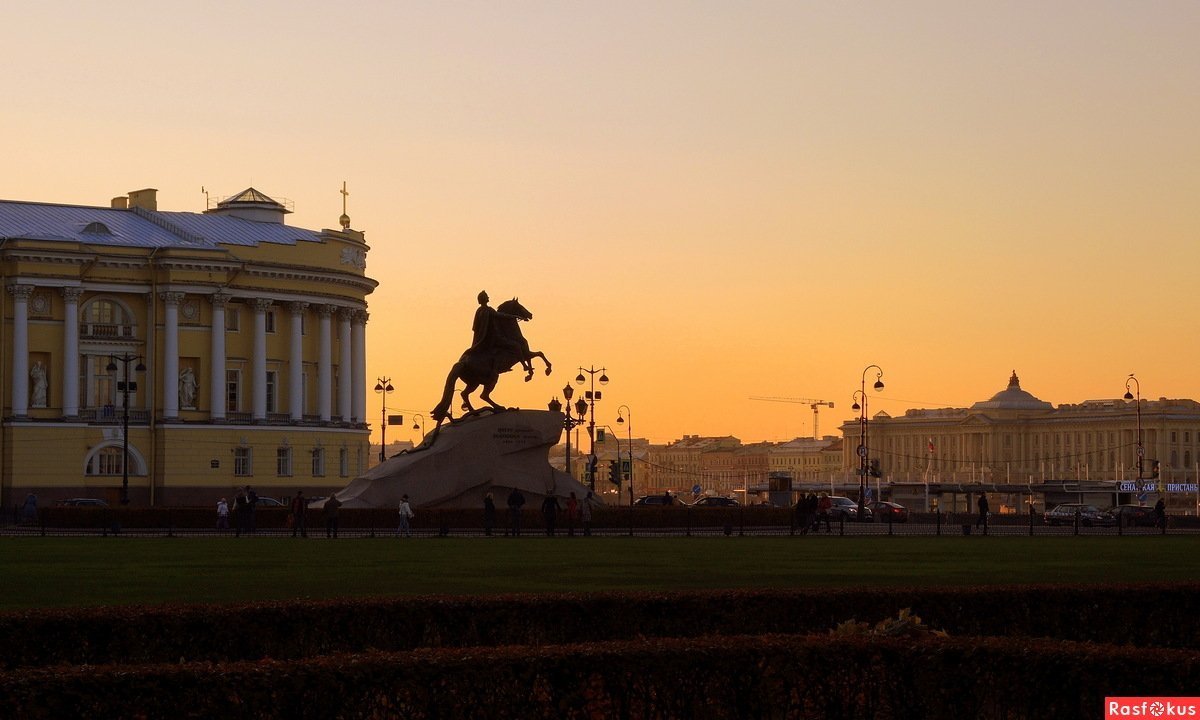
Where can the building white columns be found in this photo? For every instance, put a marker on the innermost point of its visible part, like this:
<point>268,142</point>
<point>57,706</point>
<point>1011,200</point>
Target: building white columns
<point>296,362</point>
<point>20,346</point>
<point>216,377</point>
<point>359,332</point>
<point>170,381</point>
<point>325,363</point>
<point>70,380</point>
<point>345,362</point>
<point>259,367</point>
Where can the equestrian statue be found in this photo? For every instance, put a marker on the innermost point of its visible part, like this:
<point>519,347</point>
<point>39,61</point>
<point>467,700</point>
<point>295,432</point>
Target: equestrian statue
<point>496,347</point>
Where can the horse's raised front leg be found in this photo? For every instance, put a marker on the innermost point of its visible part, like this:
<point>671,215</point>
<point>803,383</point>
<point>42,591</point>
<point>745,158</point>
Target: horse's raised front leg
<point>545,359</point>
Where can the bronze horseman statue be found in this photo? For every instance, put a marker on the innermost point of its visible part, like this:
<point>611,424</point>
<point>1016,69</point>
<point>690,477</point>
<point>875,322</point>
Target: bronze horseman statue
<point>496,346</point>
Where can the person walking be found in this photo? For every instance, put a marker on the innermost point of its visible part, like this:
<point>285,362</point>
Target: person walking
<point>585,514</point>
<point>516,501</point>
<point>222,515</point>
<point>331,516</point>
<point>29,509</point>
<point>982,505</point>
<point>251,506</point>
<point>1160,514</point>
<point>803,521</point>
<point>489,514</point>
<point>299,515</point>
<point>572,514</point>
<point>406,516</point>
<point>824,505</point>
<point>550,508</point>
<point>240,512</point>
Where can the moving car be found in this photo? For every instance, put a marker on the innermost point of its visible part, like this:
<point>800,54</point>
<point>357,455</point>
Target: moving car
<point>83,502</point>
<point>885,511</point>
<point>656,501</point>
<point>1134,515</point>
<point>716,502</point>
<point>1089,515</point>
<point>847,508</point>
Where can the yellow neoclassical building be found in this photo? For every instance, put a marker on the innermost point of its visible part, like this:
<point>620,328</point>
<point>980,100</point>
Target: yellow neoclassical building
<point>169,357</point>
<point>1015,439</point>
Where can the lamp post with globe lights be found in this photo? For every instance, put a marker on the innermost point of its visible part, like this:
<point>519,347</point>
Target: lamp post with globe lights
<point>1141,449</point>
<point>125,387</point>
<point>383,386</point>
<point>419,424</point>
<point>864,452</point>
<point>569,422</point>
<point>591,397</point>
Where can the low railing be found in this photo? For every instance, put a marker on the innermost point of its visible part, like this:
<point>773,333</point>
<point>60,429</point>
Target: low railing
<point>111,415</point>
<point>107,331</point>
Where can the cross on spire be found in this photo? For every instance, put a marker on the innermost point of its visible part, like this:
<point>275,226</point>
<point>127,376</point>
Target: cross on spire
<point>345,219</point>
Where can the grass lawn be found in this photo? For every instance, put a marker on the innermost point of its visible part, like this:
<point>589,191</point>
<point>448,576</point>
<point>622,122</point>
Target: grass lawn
<point>46,572</point>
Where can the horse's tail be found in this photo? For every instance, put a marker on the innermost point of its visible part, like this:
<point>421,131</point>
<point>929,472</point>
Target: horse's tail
<point>442,411</point>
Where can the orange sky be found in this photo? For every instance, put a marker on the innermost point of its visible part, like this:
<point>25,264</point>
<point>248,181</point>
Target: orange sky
<point>712,200</point>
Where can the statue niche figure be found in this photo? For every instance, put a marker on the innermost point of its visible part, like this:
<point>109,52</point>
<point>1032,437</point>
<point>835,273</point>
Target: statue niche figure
<point>497,345</point>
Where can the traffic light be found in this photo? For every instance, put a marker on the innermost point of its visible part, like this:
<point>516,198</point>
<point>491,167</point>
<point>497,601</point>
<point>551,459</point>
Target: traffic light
<point>875,471</point>
<point>591,465</point>
<point>614,472</point>
<point>1153,469</point>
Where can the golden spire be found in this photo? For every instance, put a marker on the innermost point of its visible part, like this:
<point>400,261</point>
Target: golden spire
<point>344,219</point>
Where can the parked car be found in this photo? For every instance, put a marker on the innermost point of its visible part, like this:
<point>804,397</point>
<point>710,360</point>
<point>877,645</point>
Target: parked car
<point>1089,515</point>
<point>716,502</point>
<point>885,511</point>
<point>657,501</point>
<point>82,502</point>
<point>264,501</point>
<point>847,508</point>
<point>1134,515</point>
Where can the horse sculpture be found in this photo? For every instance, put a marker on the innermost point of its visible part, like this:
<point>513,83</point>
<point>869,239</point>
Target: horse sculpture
<point>503,347</point>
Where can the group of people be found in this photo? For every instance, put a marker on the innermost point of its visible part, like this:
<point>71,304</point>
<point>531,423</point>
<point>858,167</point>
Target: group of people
<point>811,510</point>
<point>246,500</point>
<point>243,511</point>
<point>576,512</point>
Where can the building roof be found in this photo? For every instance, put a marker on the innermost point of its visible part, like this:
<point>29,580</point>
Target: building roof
<point>138,227</point>
<point>1013,398</point>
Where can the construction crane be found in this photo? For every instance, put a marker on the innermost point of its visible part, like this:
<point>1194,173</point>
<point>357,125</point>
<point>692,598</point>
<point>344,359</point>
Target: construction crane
<point>816,406</point>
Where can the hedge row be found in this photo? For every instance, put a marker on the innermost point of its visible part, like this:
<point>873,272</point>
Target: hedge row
<point>764,676</point>
<point>1141,615</point>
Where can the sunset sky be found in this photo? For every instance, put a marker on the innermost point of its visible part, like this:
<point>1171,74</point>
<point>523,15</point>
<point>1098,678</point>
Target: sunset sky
<point>711,200</point>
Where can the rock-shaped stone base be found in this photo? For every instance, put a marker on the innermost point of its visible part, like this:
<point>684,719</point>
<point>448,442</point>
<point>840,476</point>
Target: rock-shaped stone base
<point>459,463</point>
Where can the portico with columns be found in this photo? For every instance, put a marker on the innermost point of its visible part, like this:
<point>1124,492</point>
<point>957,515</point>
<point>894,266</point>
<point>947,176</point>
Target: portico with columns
<point>235,389</point>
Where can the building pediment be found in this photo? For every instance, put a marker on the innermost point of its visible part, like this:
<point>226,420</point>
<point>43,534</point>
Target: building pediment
<point>977,420</point>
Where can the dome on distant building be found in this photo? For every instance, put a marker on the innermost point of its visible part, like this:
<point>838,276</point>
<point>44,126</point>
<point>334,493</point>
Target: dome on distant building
<point>1013,398</point>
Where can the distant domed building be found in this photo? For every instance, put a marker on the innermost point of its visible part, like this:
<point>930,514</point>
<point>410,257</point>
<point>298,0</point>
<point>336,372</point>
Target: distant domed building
<point>1013,398</point>
<point>1014,439</point>
<point>231,344</point>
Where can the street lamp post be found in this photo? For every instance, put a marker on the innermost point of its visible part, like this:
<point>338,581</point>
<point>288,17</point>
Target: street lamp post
<point>591,397</point>
<point>864,452</point>
<point>1141,449</point>
<point>419,424</point>
<point>568,422</point>
<point>125,387</point>
<point>629,442</point>
<point>383,387</point>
